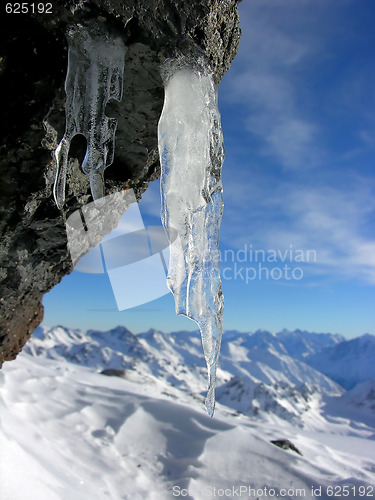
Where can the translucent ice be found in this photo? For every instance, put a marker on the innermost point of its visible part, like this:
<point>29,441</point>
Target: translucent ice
<point>191,152</point>
<point>95,75</point>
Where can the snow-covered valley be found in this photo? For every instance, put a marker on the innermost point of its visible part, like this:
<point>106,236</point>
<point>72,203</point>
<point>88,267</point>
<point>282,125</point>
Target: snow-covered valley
<point>112,415</point>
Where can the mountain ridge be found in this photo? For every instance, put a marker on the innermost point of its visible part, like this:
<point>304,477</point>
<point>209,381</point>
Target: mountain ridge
<point>257,372</point>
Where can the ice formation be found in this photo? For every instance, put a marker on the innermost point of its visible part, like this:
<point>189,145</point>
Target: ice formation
<point>191,153</point>
<point>95,75</point>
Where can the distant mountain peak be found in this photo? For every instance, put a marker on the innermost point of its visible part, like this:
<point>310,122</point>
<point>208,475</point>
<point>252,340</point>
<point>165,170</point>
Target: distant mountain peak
<point>348,362</point>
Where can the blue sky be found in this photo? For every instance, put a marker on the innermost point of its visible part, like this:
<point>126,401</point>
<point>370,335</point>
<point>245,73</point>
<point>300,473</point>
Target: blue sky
<point>298,114</point>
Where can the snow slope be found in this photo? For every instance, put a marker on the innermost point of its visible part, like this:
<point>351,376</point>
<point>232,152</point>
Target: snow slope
<point>68,431</point>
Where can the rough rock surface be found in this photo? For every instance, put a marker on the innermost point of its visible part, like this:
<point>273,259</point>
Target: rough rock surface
<point>285,444</point>
<point>33,61</point>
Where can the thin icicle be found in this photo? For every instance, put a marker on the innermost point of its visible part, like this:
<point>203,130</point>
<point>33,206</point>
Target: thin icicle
<point>191,152</point>
<point>95,75</point>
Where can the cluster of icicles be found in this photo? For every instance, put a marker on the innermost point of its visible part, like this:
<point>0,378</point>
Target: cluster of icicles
<point>191,154</point>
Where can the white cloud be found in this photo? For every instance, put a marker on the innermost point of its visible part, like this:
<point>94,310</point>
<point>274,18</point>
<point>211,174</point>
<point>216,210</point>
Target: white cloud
<point>294,114</point>
<point>368,137</point>
<point>274,51</point>
<point>331,219</point>
<point>292,139</point>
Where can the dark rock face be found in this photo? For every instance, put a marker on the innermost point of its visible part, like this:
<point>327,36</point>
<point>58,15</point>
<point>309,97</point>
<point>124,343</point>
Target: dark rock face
<point>285,444</point>
<point>33,63</point>
<point>112,372</point>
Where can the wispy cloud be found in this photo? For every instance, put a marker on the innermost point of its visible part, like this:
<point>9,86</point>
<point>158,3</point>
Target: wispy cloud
<point>324,217</point>
<point>368,137</point>
<point>275,51</point>
<point>299,120</point>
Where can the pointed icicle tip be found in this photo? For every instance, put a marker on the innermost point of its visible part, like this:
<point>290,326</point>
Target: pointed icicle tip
<point>210,401</point>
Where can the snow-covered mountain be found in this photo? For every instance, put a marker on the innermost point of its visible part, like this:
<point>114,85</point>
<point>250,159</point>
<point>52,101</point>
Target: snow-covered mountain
<point>300,344</point>
<point>349,362</point>
<point>362,396</point>
<point>250,398</point>
<point>257,372</point>
<point>262,357</point>
<point>69,431</point>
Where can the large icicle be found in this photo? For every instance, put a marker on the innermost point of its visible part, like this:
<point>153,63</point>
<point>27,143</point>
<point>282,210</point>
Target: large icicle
<point>191,152</point>
<point>95,75</point>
